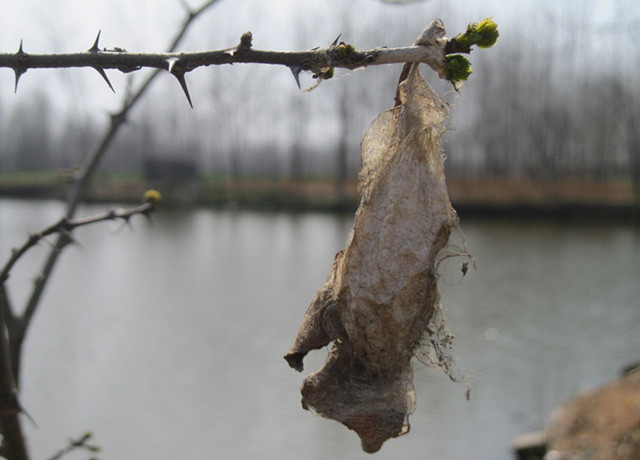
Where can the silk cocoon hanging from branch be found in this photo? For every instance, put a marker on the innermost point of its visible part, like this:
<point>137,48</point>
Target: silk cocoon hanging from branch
<point>380,305</point>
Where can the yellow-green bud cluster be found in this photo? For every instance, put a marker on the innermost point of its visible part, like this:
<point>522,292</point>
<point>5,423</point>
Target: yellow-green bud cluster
<point>344,50</point>
<point>458,68</point>
<point>484,34</point>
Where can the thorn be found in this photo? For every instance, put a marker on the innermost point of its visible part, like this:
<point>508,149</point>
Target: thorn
<point>170,63</point>
<point>183,84</point>
<point>103,74</point>
<point>179,74</point>
<point>295,70</point>
<point>245,41</point>
<point>19,73</point>
<point>29,417</point>
<point>94,48</point>
<point>335,42</point>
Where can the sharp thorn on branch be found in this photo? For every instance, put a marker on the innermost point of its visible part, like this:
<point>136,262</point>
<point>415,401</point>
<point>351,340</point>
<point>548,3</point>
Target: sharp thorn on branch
<point>335,42</point>
<point>295,70</point>
<point>29,417</point>
<point>94,48</point>
<point>19,73</point>
<point>103,74</point>
<point>183,84</point>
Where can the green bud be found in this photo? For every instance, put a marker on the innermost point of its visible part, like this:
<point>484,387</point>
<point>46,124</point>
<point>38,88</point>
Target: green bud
<point>488,33</point>
<point>458,68</point>
<point>328,74</point>
<point>484,34</point>
<point>344,50</point>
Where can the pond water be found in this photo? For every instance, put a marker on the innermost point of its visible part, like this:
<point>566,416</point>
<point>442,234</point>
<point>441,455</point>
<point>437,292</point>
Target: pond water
<point>165,338</point>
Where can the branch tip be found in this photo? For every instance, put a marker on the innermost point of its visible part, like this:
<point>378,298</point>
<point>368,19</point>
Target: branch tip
<point>103,74</point>
<point>94,48</point>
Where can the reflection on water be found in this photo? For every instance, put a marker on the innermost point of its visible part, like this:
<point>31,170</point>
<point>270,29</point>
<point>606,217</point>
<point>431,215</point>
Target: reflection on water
<point>166,340</point>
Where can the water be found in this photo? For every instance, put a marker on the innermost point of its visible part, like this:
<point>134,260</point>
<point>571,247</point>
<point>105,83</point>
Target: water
<point>165,339</point>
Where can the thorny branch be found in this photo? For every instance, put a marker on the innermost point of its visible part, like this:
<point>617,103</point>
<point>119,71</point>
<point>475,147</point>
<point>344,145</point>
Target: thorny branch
<point>320,62</point>
<point>120,59</point>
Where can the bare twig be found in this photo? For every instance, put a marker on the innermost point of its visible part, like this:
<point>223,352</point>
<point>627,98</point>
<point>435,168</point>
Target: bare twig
<point>65,226</point>
<point>80,443</point>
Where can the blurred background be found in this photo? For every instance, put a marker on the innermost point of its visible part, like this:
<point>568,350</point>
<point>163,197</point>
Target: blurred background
<point>166,339</point>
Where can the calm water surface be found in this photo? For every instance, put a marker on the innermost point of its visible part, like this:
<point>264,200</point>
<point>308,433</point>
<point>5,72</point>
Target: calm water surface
<point>166,339</point>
